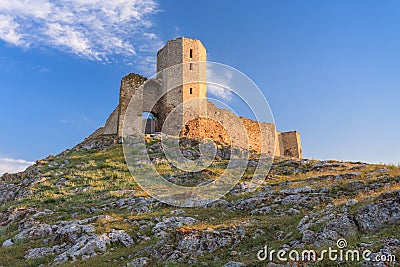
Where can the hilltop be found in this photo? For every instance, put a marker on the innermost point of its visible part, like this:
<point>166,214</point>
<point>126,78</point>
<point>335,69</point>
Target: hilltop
<point>83,208</point>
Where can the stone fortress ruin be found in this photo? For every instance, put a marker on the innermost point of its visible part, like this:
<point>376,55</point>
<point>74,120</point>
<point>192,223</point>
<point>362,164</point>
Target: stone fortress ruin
<point>176,103</point>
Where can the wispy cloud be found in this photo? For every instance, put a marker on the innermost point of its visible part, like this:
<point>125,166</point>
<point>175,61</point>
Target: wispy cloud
<point>94,29</point>
<point>11,165</point>
<point>219,83</point>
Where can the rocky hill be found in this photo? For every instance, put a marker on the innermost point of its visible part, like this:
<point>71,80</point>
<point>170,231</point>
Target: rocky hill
<point>83,208</point>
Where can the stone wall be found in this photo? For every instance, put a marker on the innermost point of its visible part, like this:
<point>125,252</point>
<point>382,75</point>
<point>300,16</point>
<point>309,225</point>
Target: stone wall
<point>283,144</point>
<point>185,111</point>
<point>261,135</point>
<point>223,126</point>
<point>170,54</point>
<point>288,144</point>
<point>111,126</point>
<point>129,85</point>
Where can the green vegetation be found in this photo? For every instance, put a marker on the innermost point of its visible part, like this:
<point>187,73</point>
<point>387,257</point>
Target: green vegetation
<point>91,179</point>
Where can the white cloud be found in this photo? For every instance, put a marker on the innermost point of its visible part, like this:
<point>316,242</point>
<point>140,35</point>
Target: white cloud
<point>219,92</point>
<point>38,9</point>
<point>219,83</point>
<point>8,31</point>
<point>10,165</point>
<point>94,29</point>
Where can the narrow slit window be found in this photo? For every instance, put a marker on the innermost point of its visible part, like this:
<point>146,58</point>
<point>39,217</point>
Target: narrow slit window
<point>191,91</point>
<point>191,53</point>
<point>191,66</point>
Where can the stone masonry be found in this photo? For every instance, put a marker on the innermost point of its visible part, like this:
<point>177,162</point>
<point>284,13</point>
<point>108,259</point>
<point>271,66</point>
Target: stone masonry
<point>185,109</point>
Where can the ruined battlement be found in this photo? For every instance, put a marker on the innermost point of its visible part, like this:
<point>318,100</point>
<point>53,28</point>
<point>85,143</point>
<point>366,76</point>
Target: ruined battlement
<point>181,66</point>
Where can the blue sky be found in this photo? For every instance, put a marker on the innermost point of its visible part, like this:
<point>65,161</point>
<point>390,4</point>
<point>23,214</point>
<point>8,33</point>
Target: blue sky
<point>329,69</point>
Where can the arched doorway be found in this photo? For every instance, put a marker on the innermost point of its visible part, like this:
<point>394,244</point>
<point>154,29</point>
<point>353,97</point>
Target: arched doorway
<point>149,122</point>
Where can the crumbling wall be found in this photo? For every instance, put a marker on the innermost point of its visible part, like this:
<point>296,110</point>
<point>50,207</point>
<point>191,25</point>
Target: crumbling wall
<point>111,126</point>
<point>284,144</point>
<point>129,86</point>
<point>278,144</point>
<point>185,78</point>
<point>261,136</point>
<point>289,145</point>
<point>206,128</point>
<point>256,136</point>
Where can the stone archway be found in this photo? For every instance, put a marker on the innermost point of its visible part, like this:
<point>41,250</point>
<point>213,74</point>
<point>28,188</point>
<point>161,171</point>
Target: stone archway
<point>149,122</point>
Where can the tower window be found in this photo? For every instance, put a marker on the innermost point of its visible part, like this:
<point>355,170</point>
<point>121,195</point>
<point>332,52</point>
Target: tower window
<point>191,66</point>
<point>191,91</point>
<point>191,53</point>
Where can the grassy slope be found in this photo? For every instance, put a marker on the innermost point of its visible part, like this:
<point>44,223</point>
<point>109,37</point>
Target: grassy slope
<point>103,173</point>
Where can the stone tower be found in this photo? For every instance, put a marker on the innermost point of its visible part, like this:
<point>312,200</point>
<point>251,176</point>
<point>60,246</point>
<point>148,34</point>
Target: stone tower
<point>182,63</point>
<point>191,55</point>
